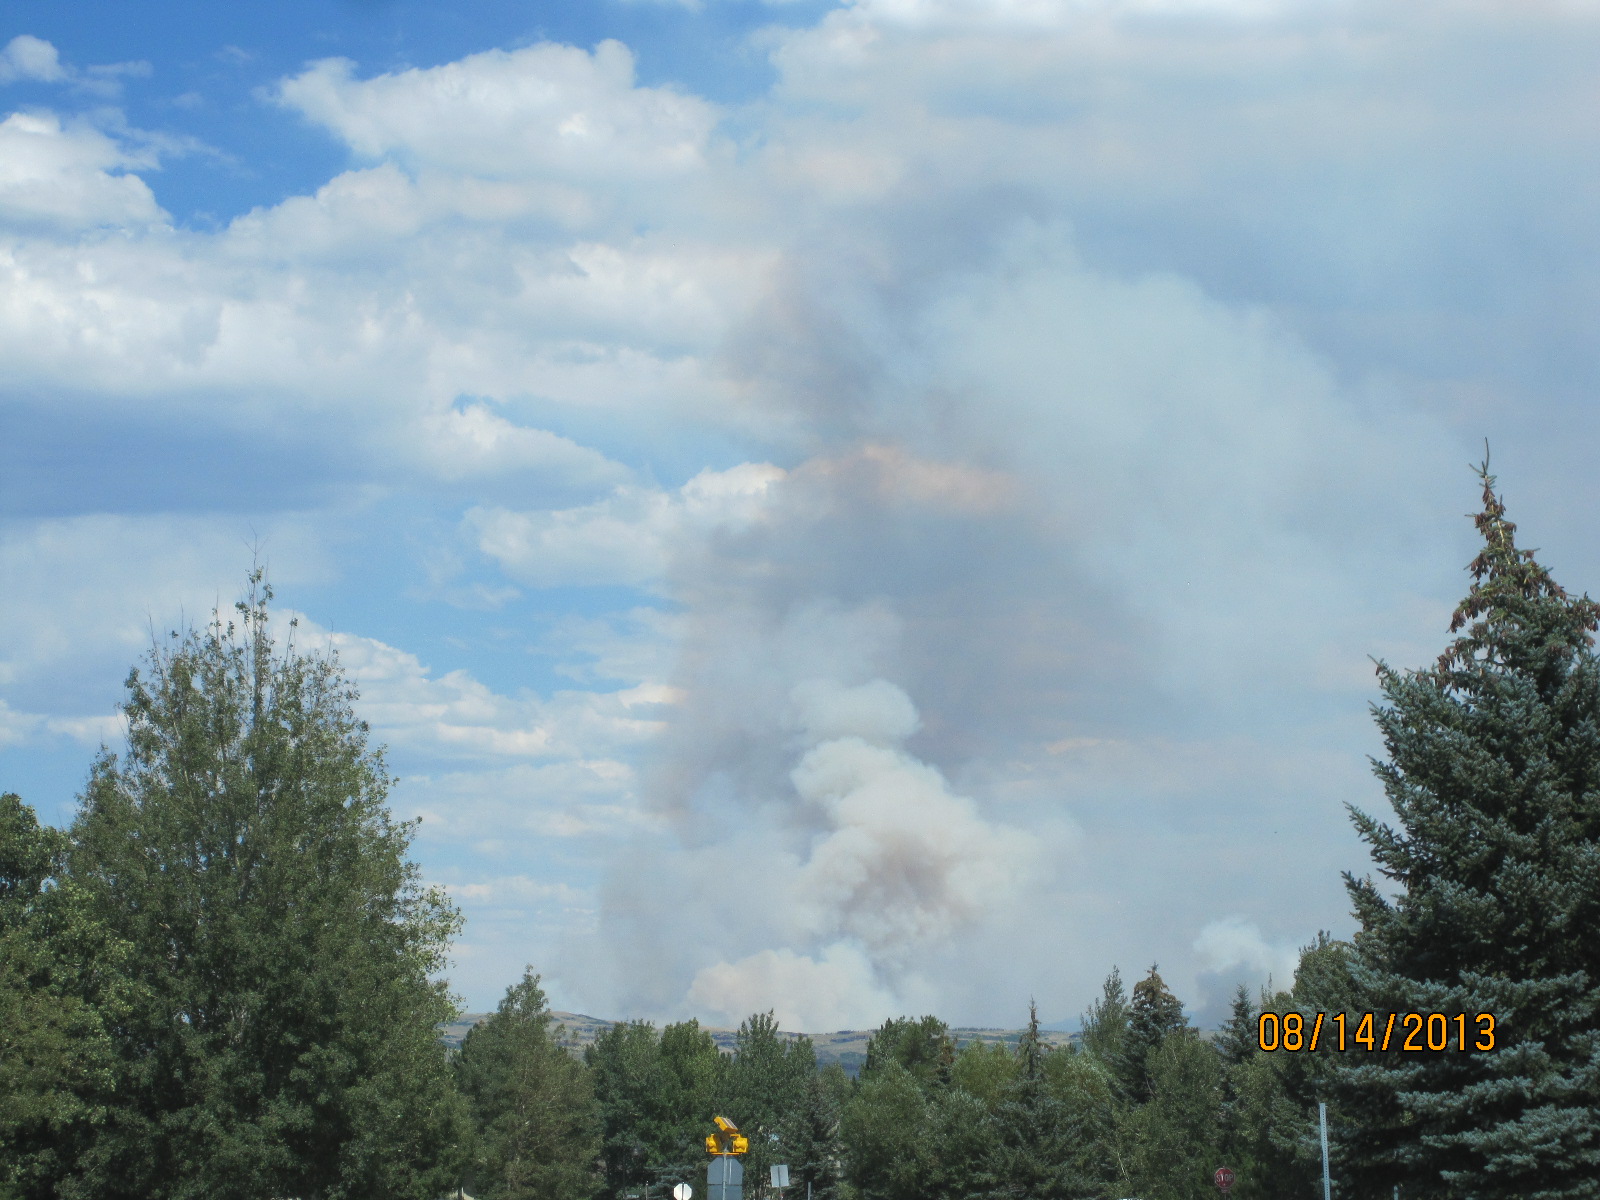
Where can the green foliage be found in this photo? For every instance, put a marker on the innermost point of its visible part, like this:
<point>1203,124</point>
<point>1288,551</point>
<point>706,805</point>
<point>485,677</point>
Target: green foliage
<point>1036,1137</point>
<point>1105,1025</point>
<point>657,1093</point>
<point>766,1082</point>
<point>984,1070</point>
<point>1175,1139</point>
<point>282,1038</point>
<point>536,1127</point>
<point>1492,769</point>
<point>886,1133</point>
<point>1237,1040</point>
<point>60,984</point>
<point>1154,1013</point>
<point>1089,1101</point>
<point>1269,1115</point>
<point>923,1047</point>
<point>625,1066</point>
<point>809,1135</point>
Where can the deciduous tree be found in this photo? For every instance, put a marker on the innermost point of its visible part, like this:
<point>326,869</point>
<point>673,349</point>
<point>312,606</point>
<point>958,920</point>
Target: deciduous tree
<point>285,1038</point>
<point>535,1127</point>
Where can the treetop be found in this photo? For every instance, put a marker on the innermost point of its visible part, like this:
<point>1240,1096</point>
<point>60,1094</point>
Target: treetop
<point>1511,593</point>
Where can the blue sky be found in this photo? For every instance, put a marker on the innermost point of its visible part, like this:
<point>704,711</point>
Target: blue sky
<point>860,509</point>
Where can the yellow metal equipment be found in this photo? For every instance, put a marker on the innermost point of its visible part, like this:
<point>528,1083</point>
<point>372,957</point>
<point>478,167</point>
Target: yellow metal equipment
<point>728,1139</point>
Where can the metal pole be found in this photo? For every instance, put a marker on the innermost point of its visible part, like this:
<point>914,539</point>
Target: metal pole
<point>1322,1119</point>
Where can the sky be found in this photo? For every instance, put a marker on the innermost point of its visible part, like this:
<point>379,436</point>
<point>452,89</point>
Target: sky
<point>857,510</point>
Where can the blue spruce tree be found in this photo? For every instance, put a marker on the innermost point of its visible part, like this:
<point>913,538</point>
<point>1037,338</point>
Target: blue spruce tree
<point>1493,772</point>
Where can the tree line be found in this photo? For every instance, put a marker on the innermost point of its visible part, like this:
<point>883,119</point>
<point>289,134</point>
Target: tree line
<point>221,981</point>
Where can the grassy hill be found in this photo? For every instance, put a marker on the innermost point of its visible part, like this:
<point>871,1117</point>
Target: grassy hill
<point>847,1047</point>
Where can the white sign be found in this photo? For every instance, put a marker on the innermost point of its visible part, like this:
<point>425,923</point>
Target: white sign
<point>681,1191</point>
<point>780,1176</point>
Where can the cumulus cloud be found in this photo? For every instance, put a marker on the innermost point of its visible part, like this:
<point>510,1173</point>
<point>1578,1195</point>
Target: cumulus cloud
<point>84,595</point>
<point>903,860</point>
<point>456,716</point>
<point>68,177</point>
<point>546,111</point>
<point>20,728</point>
<point>630,537</point>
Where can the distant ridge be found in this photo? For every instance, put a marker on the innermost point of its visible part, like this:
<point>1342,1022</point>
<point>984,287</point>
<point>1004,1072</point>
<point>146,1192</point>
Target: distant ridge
<point>847,1047</point>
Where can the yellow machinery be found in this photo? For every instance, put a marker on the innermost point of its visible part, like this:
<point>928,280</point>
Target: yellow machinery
<point>727,1139</point>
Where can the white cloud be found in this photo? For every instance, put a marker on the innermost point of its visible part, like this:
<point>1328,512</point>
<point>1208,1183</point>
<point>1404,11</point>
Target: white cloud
<point>62,177</point>
<point>21,729</point>
<point>630,537</point>
<point>903,861</point>
<point>876,712</point>
<point>545,111</point>
<point>1232,951</point>
<point>500,808</point>
<point>456,716</point>
<point>31,58</point>
<point>84,595</point>
<point>513,889</point>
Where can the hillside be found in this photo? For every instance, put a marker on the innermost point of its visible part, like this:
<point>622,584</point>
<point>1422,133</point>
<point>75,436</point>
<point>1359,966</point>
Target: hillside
<point>847,1047</point>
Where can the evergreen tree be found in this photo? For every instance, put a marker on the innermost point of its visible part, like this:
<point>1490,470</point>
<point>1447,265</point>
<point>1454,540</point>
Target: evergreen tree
<point>810,1135</point>
<point>1238,1041</point>
<point>1033,1152</point>
<point>1105,1025</point>
<point>958,1157</point>
<point>1154,1013</point>
<point>693,1081</point>
<point>984,1070</point>
<point>1493,772</point>
<point>1091,1107</point>
<point>888,1135</point>
<point>284,1041</point>
<point>535,1128</point>
<point>1270,1125</point>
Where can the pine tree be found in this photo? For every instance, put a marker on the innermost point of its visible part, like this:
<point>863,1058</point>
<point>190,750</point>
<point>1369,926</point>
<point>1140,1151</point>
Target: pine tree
<point>1153,1014</point>
<point>889,1136</point>
<point>1493,772</point>
<point>629,1083</point>
<point>1105,1025</point>
<point>693,1079</point>
<point>1175,1136</point>
<point>1269,1116</point>
<point>1034,1155</point>
<point>810,1135</point>
<point>1238,1039</point>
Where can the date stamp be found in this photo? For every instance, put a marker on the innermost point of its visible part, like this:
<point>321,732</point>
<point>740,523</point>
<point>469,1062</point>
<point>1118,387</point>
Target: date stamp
<point>1414,1032</point>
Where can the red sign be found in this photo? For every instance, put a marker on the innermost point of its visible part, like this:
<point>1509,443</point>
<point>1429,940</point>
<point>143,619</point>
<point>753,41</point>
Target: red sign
<point>1224,1178</point>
